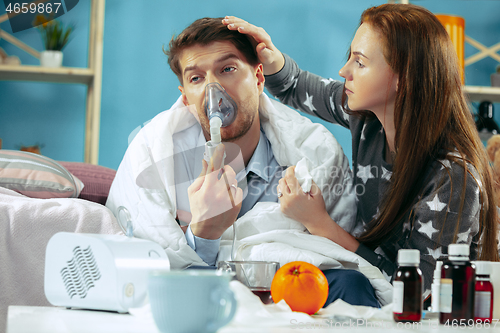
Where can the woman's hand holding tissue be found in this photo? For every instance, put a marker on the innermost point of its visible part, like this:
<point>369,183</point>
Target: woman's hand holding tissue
<point>309,209</point>
<point>297,204</point>
<point>268,54</point>
<point>214,198</point>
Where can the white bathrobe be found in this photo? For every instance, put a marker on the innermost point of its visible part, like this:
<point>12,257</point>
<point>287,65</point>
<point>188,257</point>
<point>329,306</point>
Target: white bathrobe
<point>144,184</point>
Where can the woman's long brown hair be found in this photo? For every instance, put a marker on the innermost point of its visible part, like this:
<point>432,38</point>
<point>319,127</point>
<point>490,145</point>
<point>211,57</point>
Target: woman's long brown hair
<point>430,116</point>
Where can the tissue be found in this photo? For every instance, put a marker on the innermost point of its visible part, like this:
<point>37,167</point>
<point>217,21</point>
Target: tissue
<point>302,174</point>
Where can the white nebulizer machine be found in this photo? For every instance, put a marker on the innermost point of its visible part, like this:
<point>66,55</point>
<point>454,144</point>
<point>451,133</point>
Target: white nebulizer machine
<point>221,111</point>
<point>101,272</point>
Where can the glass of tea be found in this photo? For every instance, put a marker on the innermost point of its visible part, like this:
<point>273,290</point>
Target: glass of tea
<point>256,275</point>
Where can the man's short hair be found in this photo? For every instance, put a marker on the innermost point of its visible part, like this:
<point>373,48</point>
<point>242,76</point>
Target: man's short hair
<point>203,32</point>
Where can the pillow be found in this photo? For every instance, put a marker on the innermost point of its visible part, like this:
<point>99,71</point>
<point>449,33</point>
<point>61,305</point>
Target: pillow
<point>97,180</point>
<point>36,176</point>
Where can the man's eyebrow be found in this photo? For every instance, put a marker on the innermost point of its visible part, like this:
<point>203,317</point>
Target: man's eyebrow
<point>227,56</point>
<point>190,68</point>
<point>222,58</point>
<point>359,54</point>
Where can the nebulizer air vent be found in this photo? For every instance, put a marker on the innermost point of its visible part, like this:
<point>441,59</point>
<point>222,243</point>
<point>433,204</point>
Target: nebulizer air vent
<point>221,111</point>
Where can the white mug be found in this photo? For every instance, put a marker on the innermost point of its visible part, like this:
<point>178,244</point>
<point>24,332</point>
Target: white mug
<point>191,300</point>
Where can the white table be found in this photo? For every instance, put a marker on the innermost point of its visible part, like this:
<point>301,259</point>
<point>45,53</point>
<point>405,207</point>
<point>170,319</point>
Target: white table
<point>31,319</point>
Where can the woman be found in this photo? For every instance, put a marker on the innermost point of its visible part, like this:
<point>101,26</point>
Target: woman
<point>422,176</point>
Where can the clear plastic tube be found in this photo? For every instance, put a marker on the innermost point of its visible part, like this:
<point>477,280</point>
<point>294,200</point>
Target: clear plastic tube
<point>221,111</point>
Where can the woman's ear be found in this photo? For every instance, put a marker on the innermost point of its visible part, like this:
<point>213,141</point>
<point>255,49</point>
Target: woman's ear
<point>393,84</point>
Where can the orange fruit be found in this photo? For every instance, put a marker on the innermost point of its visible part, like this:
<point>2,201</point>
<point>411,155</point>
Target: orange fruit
<point>302,285</point>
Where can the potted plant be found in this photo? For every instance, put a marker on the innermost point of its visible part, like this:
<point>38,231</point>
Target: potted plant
<point>495,78</point>
<point>55,36</point>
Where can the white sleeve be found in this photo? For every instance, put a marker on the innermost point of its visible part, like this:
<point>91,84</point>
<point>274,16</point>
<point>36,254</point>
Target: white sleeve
<point>151,210</point>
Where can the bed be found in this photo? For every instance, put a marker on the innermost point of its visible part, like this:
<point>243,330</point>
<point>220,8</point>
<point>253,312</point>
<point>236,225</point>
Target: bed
<point>38,198</point>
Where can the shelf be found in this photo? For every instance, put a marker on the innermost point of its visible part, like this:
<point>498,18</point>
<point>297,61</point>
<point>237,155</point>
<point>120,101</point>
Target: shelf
<point>480,93</point>
<point>90,76</point>
<point>46,74</point>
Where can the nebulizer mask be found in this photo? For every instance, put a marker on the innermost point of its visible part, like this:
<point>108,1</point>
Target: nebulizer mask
<point>221,111</point>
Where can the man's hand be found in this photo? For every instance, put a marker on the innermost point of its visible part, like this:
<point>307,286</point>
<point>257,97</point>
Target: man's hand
<point>214,198</point>
<point>268,54</point>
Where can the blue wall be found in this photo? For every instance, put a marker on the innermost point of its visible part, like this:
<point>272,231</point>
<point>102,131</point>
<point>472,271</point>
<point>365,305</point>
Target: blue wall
<point>138,84</point>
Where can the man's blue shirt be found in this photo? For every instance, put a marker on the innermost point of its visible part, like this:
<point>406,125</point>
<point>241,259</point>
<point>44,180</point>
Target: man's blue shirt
<point>263,174</point>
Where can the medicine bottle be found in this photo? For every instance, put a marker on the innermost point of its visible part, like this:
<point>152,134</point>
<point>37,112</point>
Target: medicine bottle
<point>483,300</point>
<point>458,280</point>
<point>408,287</point>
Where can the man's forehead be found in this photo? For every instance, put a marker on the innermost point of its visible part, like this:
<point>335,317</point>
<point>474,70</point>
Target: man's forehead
<point>195,55</point>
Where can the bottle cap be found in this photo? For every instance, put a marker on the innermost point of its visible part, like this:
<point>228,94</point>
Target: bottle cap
<point>483,268</point>
<point>437,271</point>
<point>408,257</point>
<point>458,250</point>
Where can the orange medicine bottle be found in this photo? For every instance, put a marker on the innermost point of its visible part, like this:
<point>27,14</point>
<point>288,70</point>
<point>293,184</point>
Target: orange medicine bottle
<point>408,287</point>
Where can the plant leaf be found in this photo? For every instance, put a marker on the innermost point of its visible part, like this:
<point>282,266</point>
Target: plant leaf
<point>54,35</point>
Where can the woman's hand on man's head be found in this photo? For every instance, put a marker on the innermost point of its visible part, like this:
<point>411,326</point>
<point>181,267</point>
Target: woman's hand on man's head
<point>268,54</point>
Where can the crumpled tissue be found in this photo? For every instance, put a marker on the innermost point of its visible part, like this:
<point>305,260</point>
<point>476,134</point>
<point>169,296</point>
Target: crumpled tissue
<point>251,312</point>
<point>302,174</point>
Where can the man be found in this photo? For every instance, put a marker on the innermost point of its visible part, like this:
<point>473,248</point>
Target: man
<point>164,181</point>
<point>234,65</point>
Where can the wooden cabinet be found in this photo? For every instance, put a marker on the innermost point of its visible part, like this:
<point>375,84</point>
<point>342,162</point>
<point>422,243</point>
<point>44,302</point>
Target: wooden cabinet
<point>476,93</point>
<point>480,93</point>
